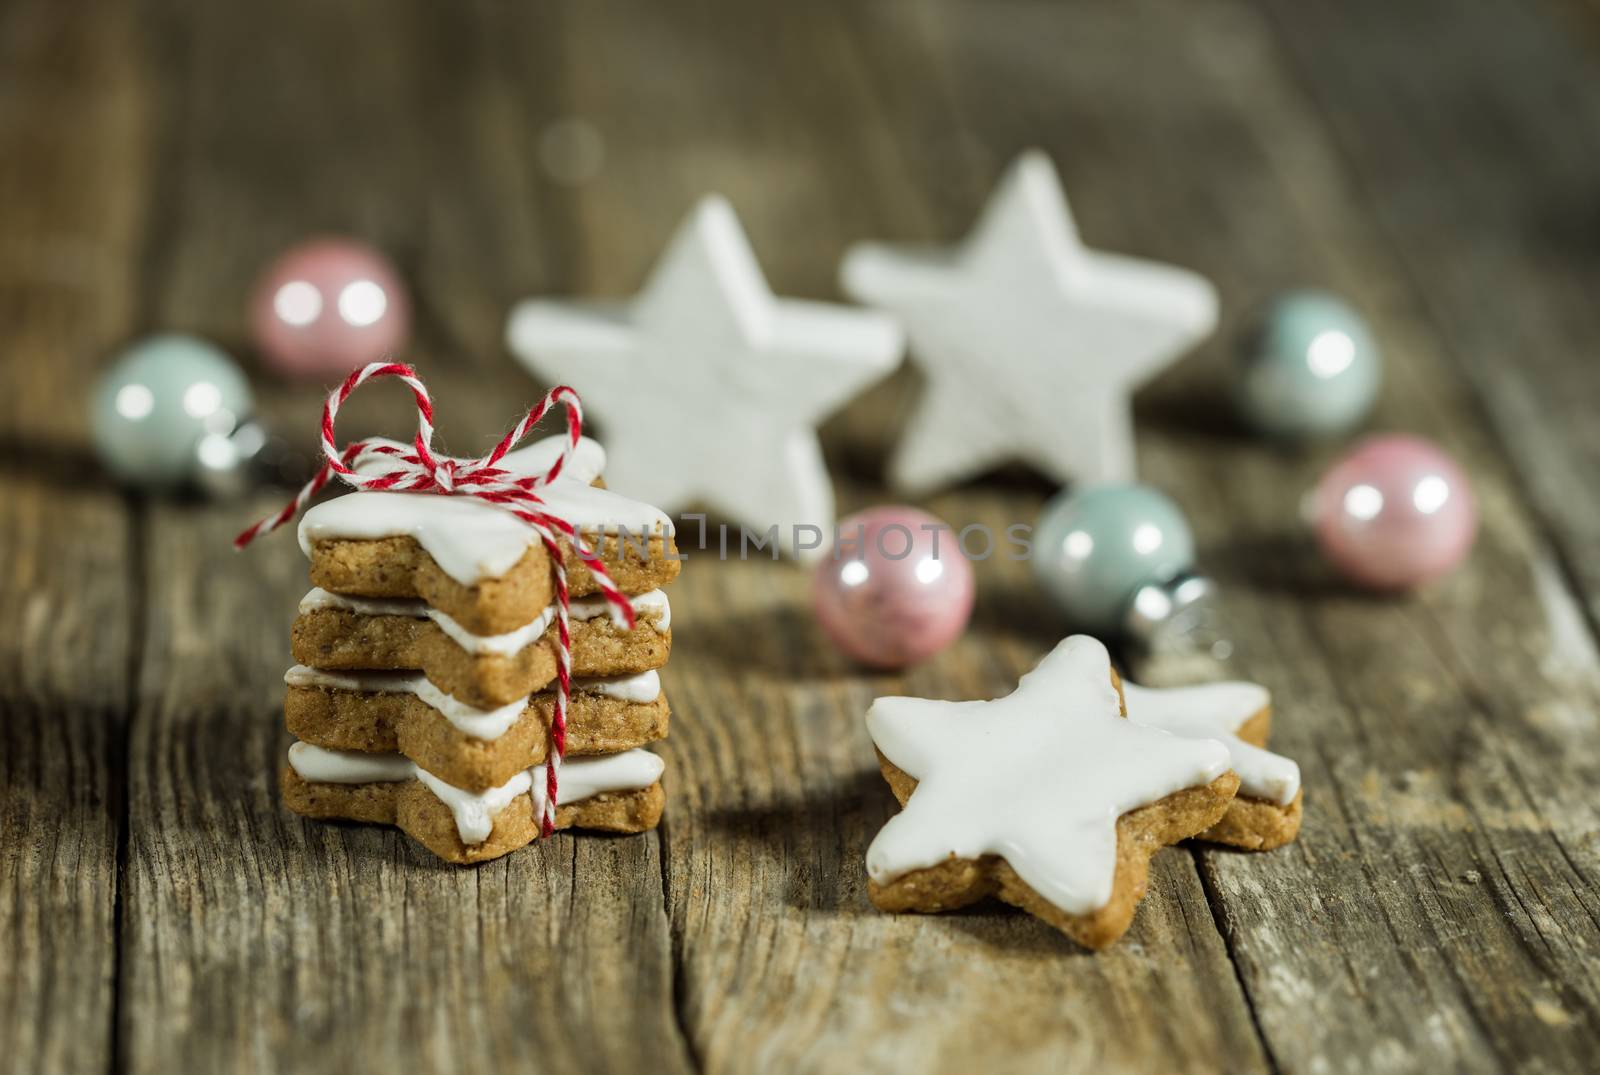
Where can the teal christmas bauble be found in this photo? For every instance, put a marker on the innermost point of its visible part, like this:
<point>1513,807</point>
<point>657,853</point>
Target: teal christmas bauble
<point>1094,549</point>
<point>1309,367</point>
<point>158,400</point>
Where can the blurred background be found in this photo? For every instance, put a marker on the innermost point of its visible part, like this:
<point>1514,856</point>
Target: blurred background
<point>1437,165</point>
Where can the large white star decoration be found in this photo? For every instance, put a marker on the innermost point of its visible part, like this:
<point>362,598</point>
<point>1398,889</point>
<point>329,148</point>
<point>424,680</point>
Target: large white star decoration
<point>1032,343</point>
<point>1038,778</point>
<point>709,387</point>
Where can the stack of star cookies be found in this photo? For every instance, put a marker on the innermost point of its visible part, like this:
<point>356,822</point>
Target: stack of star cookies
<point>425,687</point>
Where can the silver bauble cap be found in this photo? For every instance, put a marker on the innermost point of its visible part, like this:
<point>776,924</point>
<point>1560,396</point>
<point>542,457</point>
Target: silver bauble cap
<point>1177,616</point>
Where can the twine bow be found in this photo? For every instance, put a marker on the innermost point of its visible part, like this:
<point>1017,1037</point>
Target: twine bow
<point>421,471</point>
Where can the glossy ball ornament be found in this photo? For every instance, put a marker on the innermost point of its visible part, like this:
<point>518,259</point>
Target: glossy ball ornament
<point>328,306</point>
<point>158,403</point>
<point>1309,367</point>
<point>1394,512</point>
<point>1097,550</point>
<point>896,590</point>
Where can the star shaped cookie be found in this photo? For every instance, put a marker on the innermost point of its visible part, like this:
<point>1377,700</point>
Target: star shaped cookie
<point>1266,812</point>
<point>1047,798</point>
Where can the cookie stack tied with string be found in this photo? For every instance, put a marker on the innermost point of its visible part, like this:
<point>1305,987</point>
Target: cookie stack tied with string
<point>478,658</point>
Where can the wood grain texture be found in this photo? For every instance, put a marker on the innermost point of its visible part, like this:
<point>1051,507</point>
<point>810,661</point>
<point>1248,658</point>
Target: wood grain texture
<point>256,939</point>
<point>69,109</point>
<point>1439,911</point>
<point>1472,137</point>
<point>785,965</point>
<point>60,773</point>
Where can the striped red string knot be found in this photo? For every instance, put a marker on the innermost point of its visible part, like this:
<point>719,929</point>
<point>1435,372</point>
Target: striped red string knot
<point>387,468</point>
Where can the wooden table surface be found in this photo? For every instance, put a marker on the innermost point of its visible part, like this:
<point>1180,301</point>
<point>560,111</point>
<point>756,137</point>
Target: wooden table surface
<point>1438,163</point>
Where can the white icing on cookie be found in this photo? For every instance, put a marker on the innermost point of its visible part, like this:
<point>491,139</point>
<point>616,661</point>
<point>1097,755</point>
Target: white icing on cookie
<point>507,645</point>
<point>323,766</point>
<point>652,608</point>
<point>1217,711</point>
<point>474,811</point>
<point>487,724</point>
<point>1038,777</point>
<point>640,688</point>
<point>584,778</point>
<point>469,539</point>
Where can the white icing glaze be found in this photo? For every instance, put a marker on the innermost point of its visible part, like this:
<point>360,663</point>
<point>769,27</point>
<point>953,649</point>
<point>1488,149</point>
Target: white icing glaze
<point>652,608</point>
<point>654,601</point>
<point>474,811</point>
<point>1217,711</point>
<point>507,645</point>
<point>348,766</point>
<point>1038,777</point>
<point>584,778</point>
<point>469,539</point>
<point>587,462</point>
<point>641,688</point>
<point>487,724</point>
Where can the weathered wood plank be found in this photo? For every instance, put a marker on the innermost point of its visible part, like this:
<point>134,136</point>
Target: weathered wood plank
<point>784,964</point>
<point>70,113</point>
<point>1438,911</point>
<point>776,799</point>
<point>1472,133</point>
<point>256,939</point>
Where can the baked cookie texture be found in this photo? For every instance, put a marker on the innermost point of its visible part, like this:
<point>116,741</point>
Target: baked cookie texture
<point>427,699</point>
<point>1022,789</point>
<point>1049,798</point>
<point>1140,834</point>
<point>417,812</point>
<point>399,723</point>
<point>341,640</point>
<point>1256,824</point>
<point>1267,811</point>
<point>399,567</point>
<point>1251,823</point>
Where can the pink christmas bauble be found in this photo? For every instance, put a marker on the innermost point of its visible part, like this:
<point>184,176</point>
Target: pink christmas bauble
<point>1394,512</point>
<point>895,590</point>
<point>328,306</point>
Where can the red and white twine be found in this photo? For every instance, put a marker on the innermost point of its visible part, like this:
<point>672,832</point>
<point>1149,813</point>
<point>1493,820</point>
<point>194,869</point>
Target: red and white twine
<point>422,471</point>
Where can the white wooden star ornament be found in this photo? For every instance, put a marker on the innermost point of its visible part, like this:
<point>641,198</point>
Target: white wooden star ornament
<point>1032,343</point>
<point>1037,778</point>
<point>709,387</point>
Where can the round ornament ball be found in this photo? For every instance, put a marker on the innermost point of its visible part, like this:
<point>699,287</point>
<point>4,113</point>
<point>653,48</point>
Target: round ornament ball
<point>1394,512</point>
<point>1095,549</point>
<point>328,306</point>
<point>158,402</point>
<point>1309,367</point>
<point>896,589</point>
